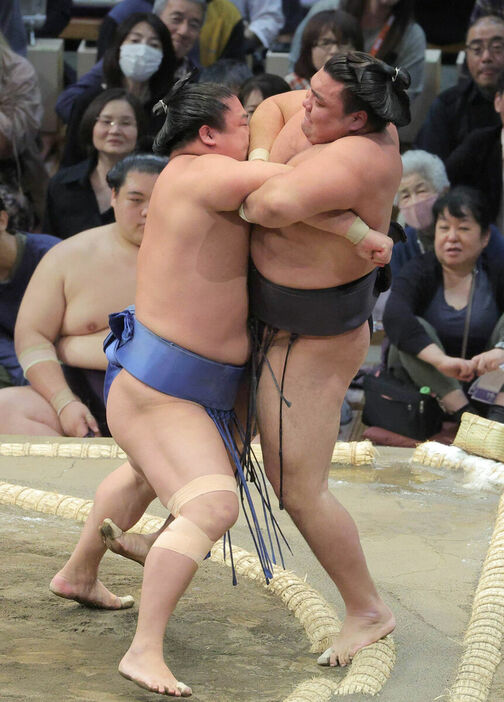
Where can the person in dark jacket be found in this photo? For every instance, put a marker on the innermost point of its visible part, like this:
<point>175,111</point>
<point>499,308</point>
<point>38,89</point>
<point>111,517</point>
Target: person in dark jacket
<point>445,313</point>
<point>478,160</point>
<point>19,256</point>
<point>78,197</point>
<point>457,111</point>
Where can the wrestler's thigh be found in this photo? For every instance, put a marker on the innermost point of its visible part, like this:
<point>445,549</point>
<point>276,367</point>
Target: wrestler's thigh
<point>24,403</point>
<point>173,441</point>
<point>319,371</point>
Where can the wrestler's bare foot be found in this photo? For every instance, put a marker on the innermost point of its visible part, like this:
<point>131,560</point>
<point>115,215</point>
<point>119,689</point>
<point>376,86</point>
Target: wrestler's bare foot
<point>356,633</point>
<point>151,672</point>
<point>132,546</point>
<point>93,594</point>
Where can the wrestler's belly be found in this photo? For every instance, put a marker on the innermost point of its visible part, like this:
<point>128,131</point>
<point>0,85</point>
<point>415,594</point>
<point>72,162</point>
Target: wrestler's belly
<point>210,328</point>
<point>302,257</point>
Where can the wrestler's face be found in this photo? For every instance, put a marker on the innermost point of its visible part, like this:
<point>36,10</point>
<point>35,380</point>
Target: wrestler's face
<point>325,119</point>
<point>234,140</point>
<point>130,204</point>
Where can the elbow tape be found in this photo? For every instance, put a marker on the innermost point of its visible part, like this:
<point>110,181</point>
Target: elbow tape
<point>357,231</point>
<point>36,354</point>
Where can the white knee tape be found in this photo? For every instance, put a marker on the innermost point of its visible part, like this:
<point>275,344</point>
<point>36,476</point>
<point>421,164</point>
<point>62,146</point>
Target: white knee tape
<point>200,486</point>
<point>185,537</point>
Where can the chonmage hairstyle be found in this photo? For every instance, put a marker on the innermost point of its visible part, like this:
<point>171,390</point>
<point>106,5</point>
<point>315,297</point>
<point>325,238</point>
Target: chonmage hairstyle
<point>188,107</point>
<point>373,86</point>
<point>139,162</point>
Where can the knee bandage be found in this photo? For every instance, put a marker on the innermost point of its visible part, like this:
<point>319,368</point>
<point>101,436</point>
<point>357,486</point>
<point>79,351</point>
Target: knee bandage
<point>200,486</point>
<point>183,535</point>
<point>36,354</point>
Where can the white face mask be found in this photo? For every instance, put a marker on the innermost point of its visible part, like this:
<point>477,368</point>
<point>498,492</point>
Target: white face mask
<point>139,61</point>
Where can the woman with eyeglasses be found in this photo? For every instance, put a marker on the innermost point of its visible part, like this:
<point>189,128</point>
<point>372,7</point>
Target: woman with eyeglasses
<point>389,30</point>
<point>78,196</point>
<point>141,59</point>
<point>325,34</point>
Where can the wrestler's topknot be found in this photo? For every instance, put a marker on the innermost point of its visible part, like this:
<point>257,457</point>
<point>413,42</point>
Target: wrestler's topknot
<point>188,106</point>
<point>373,86</point>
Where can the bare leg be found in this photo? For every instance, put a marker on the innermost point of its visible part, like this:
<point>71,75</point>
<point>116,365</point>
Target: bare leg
<point>318,374</point>
<point>174,441</point>
<point>132,546</point>
<point>24,411</point>
<point>454,400</point>
<point>124,495</point>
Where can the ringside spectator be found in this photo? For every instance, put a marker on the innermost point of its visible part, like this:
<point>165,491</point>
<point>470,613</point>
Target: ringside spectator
<point>468,105</point>
<point>63,316</point>
<point>78,197</point>
<point>444,316</point>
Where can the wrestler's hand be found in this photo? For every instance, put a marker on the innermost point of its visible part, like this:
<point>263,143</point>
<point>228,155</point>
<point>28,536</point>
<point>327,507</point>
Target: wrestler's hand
<point>375,247</point>
<point>76,420</point>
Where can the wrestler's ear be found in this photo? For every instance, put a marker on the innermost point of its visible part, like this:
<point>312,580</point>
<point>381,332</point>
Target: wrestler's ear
<point>358,120</point>
<point>207,135</point>
<point>113,197</point>
<point>4,220</point>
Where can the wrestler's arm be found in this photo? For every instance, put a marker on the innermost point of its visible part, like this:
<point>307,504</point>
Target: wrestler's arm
<point>38,324</point>
<point>314,192</point>
<point>83,350</point>
<point>271,116</point>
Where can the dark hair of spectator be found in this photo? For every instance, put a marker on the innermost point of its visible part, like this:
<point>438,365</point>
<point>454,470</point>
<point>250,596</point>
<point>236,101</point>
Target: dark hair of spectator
<point>403,13</point>
<point>343,25</point>
<point>93,111</point>
<point>462,200</point>
<point>139,162</point>
<point>267,84</point>
<point>161,81</point>
<point>373,86</point>
<point>227,71</point>
<point>188,107</point>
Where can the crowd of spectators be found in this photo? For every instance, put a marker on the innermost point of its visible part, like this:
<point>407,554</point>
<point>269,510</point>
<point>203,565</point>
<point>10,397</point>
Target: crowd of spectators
<point>450,198</point>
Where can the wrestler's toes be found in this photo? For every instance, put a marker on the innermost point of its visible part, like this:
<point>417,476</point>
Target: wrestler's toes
<point>184,690</point>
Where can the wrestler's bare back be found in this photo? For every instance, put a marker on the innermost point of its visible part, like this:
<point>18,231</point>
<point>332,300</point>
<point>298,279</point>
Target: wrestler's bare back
<point>192,265</point>
<point>368,167</point>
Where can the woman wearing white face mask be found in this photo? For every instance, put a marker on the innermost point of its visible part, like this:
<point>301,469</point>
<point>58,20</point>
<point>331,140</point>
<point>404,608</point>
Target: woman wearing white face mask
<point>141,60</point>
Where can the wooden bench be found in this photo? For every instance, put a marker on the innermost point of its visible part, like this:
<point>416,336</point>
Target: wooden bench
<point>82,28</point>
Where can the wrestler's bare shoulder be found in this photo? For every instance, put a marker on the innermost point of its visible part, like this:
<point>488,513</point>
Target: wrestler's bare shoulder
<point>82,246</point>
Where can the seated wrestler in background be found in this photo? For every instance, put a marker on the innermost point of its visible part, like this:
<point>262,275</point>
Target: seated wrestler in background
<point>63,318</point>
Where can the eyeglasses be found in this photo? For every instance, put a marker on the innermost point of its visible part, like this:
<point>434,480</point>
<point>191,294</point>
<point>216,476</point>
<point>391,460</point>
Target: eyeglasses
<point>495,47</point>
<point>326,44</point>
<point>107,123</point>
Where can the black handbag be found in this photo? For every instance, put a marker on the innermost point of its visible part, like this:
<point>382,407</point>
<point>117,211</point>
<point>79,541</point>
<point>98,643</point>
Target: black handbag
<point>400,407</point>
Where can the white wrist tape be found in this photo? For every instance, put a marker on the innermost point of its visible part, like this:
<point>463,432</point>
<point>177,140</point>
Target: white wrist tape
<point>357,231</point>
<point>36,354</point>
<point>242,214</point>
<point>259,155</point>
<point>61,399</point>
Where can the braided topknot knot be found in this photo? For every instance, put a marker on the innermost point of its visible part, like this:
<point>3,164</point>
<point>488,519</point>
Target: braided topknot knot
<point>163,105</point>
